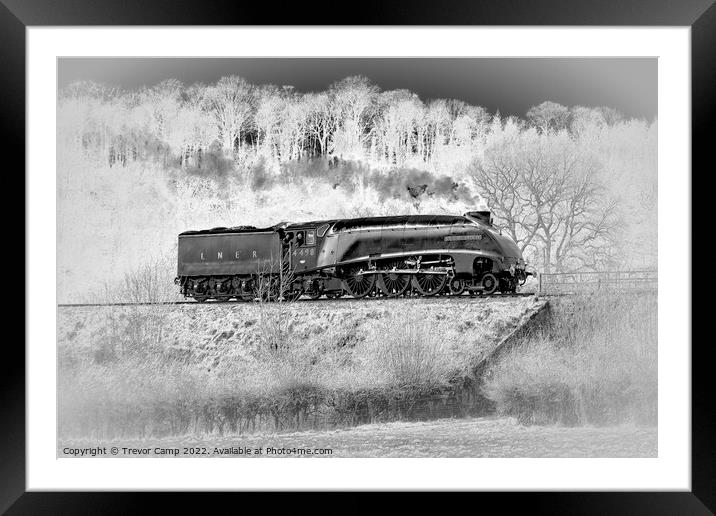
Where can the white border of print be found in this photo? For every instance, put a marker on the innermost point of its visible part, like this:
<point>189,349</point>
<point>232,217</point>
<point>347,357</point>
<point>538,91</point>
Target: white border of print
<point>670,471</point>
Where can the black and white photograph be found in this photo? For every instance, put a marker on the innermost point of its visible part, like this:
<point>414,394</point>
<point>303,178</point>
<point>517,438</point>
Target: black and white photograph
<point>379,257</point>
<point>436,252</point>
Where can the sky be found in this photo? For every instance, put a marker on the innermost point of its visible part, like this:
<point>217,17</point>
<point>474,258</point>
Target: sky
<point>510,85</point>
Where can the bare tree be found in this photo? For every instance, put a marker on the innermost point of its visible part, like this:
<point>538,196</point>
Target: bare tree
<point>293,119</point>
<point>230,101</point>
<point>352,99</point>
<point>321,122</point>
<point>395,118</point>
<point>275,288</point>
<point>548,116</point>
<point>546,195</point>
<point>266,121</point>
<point>352,119</point>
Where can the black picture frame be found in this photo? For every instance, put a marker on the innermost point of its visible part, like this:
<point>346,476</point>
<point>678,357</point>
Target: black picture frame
<point>700,15</point>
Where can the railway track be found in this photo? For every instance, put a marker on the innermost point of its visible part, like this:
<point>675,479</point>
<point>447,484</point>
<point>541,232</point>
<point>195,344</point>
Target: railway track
<point>339,300</point>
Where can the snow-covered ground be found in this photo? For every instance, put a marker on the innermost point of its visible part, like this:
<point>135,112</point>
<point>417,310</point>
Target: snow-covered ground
<point>474,437</point>
<point>165,370</point>
<point>222,332</point>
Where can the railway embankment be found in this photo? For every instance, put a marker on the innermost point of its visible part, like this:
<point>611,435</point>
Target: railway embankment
<point>594,363</point>
<point>151,371</point>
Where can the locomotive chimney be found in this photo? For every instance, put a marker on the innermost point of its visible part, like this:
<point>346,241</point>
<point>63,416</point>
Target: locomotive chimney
<point>480,216</point>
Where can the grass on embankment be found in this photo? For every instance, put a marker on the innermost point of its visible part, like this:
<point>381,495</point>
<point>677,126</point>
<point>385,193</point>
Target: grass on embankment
<point>153,371</point>
<point>596,363</point>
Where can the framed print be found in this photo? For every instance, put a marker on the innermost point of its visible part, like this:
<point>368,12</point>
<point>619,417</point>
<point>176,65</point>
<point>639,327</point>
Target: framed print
<point>420,257</point>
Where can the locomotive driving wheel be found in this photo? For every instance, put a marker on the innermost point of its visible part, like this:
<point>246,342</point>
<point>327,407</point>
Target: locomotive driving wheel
<point>358,284</point>
<point>393,284</point>
<point>489,283</point>
<point>429,284</point>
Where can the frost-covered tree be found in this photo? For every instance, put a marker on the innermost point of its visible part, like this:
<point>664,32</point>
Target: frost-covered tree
<point>292,126</point>
<point>396,117</point>
<point>321,123</point>
<point>547,195</point>
<point>352,100</point>
<point>257,132</point>
<point>549,116</point>
<point>230,102</point>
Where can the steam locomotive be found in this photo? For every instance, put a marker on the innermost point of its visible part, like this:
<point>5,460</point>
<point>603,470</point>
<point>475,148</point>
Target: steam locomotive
<point>417,255</point>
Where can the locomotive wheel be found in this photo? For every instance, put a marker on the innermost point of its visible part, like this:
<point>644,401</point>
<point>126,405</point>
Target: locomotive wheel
<point>489,283</point>
<point>293,295</point>
<point>315,290</point>
<point>456,286</point>
<point>334,294</point>
<point>359,285</point>
<point>392,284</point>
<point>429,284</point>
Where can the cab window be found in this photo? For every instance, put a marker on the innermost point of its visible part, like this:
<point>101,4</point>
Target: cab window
<point>310,237</point>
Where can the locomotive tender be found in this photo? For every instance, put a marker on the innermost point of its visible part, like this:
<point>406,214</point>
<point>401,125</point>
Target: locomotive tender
<point>422,255</point>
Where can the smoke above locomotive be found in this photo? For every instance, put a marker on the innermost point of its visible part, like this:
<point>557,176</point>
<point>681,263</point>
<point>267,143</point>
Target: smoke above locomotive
<point>421,255</point>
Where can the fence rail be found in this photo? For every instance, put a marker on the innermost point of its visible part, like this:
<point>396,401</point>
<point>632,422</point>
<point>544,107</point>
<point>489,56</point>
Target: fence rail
<point>577,282</point>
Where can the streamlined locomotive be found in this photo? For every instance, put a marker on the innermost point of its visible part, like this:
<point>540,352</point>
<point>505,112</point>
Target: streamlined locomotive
<point>424,255</point>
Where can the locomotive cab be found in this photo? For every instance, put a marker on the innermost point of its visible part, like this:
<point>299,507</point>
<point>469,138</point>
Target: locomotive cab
<point>300,247</point>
